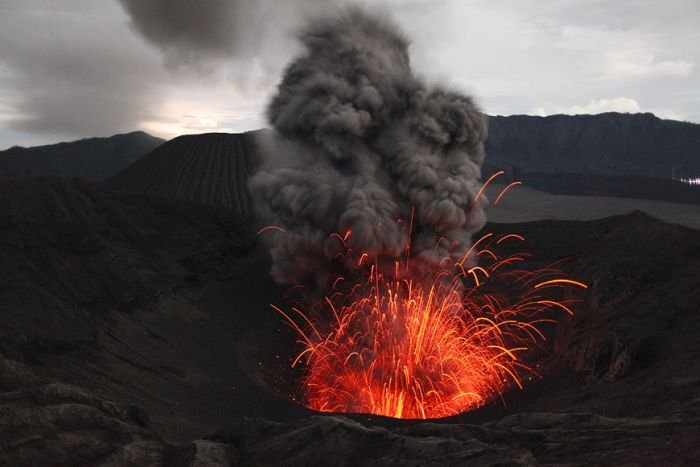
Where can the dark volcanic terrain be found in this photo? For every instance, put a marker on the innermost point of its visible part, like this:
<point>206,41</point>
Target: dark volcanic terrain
<point>137,330</point>
<point>610,143</point>
<point>609,154</point>
<point>211,168</point>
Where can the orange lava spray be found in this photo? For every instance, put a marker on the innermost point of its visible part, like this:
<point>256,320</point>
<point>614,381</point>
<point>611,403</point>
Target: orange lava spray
<point>404,345</point>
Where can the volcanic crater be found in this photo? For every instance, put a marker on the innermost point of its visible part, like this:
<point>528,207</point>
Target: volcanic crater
<point>138,329</point>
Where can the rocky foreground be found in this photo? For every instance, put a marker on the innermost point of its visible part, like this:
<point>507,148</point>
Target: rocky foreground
<point>138,331</point>
<point>48,423</point>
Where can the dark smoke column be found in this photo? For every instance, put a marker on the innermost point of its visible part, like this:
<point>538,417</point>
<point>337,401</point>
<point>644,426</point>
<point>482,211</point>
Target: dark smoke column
<point>359,142</point>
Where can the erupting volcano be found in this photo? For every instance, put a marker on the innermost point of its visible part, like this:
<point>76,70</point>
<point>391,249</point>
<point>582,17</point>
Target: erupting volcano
<point>416,320</point>
<point>404,345</point>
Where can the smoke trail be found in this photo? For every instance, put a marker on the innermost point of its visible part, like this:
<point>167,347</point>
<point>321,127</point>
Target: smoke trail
<point>358,143</point>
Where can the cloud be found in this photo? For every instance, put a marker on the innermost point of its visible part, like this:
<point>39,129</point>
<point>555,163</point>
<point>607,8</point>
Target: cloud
<point>206,33</point>
<point>616,104</point>
<point>187,31</point>
<point>71,68</point>
<point>668,114</point>
<point>596,106</point>
<point>643,63</point>
<point>625,53</point>
<point>71,73</point>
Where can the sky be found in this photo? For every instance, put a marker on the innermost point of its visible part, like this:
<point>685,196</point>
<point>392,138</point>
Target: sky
<point>79,68</point>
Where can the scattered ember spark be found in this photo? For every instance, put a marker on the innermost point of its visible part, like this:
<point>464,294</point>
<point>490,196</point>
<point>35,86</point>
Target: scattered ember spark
<point>271,227</point>
<point>483,187</point>
<point>410,347</point>
<point>498,198</point>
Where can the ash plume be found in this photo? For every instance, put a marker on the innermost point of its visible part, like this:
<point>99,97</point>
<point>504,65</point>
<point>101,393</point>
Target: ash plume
<point>358,143</point>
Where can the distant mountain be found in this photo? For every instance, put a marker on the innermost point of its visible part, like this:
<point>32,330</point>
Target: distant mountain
<point>611,154</point>
<point>211,168</point>
<point>91,158</point>
<point>609,143</point>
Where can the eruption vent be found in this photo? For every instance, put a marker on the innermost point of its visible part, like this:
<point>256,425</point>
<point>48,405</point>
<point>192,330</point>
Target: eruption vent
<point>359,143</point>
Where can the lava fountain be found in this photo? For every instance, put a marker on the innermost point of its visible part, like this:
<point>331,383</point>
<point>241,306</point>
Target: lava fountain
<point>406,345</point>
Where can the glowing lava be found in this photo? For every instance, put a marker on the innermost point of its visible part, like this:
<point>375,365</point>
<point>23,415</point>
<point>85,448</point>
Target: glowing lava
<point>409,347</point>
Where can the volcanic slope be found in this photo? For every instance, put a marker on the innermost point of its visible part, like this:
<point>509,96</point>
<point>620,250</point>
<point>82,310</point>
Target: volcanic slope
<point>211,168</point>
<point>118,306</point>
<point>138,299</point>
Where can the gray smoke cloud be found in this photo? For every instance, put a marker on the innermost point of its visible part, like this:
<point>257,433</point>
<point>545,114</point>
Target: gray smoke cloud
<point>358,143</point>
<point>192,33</point>
<point>185,30</point>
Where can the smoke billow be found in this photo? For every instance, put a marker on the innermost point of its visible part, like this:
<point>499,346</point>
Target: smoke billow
<point>359,143</point>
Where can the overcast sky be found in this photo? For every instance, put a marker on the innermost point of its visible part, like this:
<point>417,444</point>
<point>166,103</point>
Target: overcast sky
<point>79,68</point>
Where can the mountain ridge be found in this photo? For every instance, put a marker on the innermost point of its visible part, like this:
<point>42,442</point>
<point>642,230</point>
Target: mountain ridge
<point>608,154</point>
<point>91,158</point>
<point>610,143</point>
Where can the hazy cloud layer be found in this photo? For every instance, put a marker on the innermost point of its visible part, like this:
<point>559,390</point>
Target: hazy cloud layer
<point>71,68</point>
<point>594,106</point>
<point>70,72</point>
<point>519,55</point>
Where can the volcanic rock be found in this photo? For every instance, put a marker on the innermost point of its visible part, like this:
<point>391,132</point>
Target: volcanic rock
<point>48,423</point>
